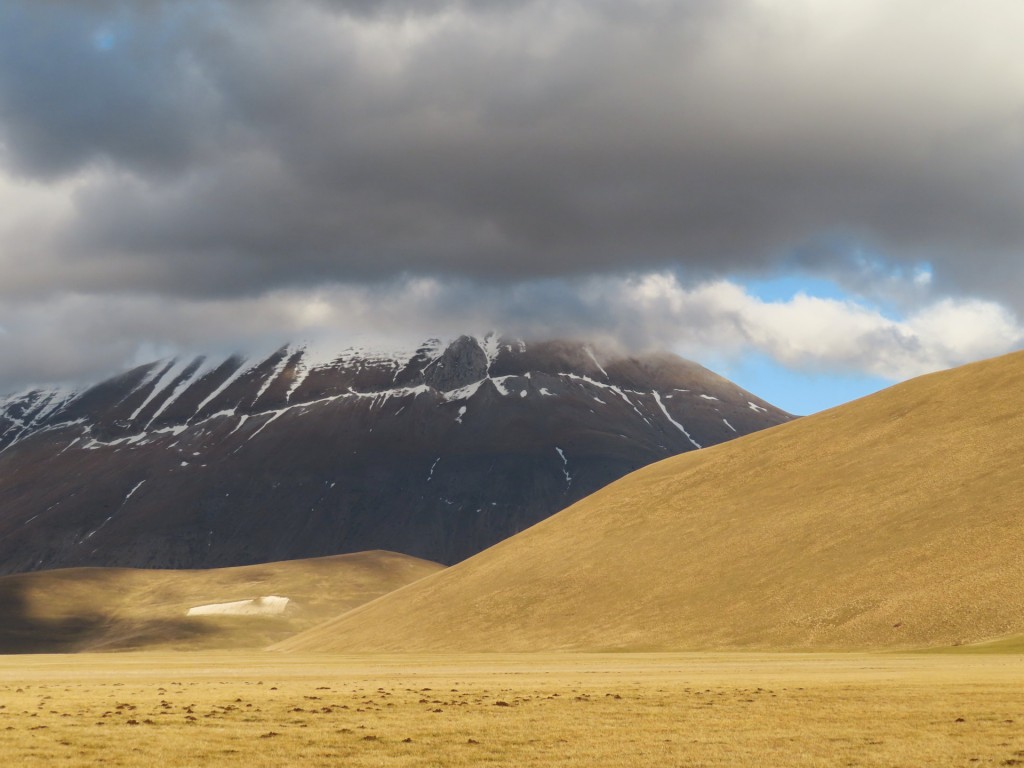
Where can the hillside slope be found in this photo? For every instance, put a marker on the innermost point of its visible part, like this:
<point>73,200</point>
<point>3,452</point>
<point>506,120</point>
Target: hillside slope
<point>890,522</point>
<point>90,609</point>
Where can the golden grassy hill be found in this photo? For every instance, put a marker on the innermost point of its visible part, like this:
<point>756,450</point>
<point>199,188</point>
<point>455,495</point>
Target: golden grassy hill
<point>79,609</point>
<point>895,521</point>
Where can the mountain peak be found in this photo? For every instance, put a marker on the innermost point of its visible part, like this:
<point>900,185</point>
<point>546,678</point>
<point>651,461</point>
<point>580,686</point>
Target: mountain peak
<point>436,453</point>
<point>463,362</point>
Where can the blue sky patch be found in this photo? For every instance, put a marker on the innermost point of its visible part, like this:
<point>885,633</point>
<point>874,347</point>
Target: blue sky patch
<point>799,392</point>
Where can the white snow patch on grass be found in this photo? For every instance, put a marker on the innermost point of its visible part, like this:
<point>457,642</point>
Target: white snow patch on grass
<point>270,605</point>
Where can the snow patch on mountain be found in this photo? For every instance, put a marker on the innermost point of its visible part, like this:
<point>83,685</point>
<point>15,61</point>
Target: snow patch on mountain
<point>192,373</point>
<point>272,376</point>
<point>491,346</point>
<point>499,384</point>
<point>680,427</point>
<point>240,371</point>
<point>167,382</point>
<point>565,467</point>
<point>590,352</point>
<point>463,393</point>
<point>170,371</point>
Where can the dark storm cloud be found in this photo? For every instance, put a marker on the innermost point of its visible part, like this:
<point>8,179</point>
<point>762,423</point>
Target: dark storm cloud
<point>226,148</point>
<point>65,99</point>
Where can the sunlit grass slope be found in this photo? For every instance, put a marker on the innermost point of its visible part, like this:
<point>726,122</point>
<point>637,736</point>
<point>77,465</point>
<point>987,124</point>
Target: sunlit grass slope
<point>119,608</point>
<point>896,521</point>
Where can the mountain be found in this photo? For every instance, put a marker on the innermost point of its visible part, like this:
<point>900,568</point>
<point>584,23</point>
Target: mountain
<point>891,522</point>
<point>95,609</point>
<point>438,453</point>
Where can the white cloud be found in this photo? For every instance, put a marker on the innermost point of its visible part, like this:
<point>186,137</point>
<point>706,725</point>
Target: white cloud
<point>812,333</point>
<point>80,337</point>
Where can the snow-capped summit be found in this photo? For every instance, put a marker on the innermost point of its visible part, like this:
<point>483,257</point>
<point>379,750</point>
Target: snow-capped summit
<point>438,453</point>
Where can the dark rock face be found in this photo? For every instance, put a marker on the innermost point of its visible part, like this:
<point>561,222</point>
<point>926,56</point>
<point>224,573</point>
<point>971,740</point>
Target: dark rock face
<point>462,363</point>
<point>438,454</point>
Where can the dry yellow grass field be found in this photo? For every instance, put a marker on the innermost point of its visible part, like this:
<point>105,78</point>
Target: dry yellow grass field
<point>890,522</point>
<point>118,608</point>
<point>273,710</point>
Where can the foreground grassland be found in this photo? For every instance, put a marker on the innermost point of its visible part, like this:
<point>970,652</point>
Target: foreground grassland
<point>587,710</point>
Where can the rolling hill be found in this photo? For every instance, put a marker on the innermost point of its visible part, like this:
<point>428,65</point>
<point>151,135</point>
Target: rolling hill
<point>96,609</point>
<point>894,521</point>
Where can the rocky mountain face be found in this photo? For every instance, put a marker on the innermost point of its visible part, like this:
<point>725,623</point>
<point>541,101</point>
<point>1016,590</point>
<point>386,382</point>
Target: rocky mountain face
<point>438,454</point>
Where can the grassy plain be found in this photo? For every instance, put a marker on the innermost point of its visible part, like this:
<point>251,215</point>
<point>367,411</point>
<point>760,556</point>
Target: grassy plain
<point>203,709</point>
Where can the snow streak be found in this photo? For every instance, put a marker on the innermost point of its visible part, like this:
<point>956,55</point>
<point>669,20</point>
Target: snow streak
<point>565,467</point>
<point>680,427</point>
<point>590,352</point>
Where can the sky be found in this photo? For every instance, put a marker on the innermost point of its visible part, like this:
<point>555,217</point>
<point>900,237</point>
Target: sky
<point>816,199</point>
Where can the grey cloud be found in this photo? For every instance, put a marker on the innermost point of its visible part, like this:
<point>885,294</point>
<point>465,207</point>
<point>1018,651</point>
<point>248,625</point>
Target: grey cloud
<point>65,100</point>
<point>85,338</point>
<point>239,147</point>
